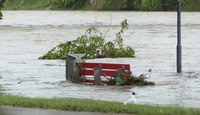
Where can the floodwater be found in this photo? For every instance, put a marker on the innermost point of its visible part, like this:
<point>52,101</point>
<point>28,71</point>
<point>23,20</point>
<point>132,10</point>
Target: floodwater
<point>26,35</point>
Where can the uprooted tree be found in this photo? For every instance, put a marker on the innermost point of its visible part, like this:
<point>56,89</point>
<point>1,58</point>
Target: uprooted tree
<point>93,45</point>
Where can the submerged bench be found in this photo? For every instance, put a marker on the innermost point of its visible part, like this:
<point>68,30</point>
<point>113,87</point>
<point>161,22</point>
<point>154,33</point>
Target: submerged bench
<point>107,69</point>
<point>98,70</point>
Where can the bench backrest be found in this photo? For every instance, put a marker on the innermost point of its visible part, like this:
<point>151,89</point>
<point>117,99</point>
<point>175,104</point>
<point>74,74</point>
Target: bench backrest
<point>108,69</point>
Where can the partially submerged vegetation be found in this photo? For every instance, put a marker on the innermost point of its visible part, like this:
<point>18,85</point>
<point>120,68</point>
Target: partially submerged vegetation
<point>88,105</point>
<point>93,45</point>
<point>123,79</point>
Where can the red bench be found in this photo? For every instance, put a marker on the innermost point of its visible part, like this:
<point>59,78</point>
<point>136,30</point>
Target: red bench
<point>105,69</point>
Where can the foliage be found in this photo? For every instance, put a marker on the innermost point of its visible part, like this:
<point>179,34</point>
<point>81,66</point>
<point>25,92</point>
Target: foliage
<point>93,44</point>
<point>190,5</point>
<point>158,5</point>
<point>1,15</point>
<point>150,5</point>
<point>115,5</point>
<point>69,104</point>
<point>1,5</point>
<point>27,4</point>
<point>136,5</point>
<point>69,4</point>
<point>144,5</point>
<point>124,79</point>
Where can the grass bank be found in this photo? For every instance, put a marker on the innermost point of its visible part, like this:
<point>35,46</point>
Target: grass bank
<point>93,106</point>
<point>133,5</point>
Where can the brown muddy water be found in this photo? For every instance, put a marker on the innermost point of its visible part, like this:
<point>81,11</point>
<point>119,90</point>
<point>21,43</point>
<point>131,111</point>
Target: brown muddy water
<point>26,35</point>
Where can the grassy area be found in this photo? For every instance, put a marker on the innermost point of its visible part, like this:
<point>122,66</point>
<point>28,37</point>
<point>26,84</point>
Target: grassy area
<point>93,106</point>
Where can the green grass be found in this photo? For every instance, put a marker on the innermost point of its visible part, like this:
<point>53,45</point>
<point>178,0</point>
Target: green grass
<point>93,106</point>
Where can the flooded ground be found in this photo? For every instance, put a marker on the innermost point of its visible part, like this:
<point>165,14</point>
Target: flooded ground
<point>26,35</point>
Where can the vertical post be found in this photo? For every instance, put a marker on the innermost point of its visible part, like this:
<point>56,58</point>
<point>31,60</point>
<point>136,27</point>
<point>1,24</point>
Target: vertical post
<point>97,75</point>
<point>69,69</point>
<point>179,47</point>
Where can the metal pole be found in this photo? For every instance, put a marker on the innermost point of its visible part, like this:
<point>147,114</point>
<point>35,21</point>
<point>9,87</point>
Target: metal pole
<point>179,47</point>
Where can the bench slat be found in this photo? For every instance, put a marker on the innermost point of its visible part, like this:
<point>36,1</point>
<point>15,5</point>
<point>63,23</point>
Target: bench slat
<point>104,65</point>
<point>104,72</point>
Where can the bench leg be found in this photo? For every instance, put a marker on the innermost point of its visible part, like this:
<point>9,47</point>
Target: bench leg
<point>97,76</point>
<point>121,71</point>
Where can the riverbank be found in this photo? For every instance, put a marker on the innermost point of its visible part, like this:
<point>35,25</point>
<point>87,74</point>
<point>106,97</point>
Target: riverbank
<point>114,5</point>
<point>87,105</point>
